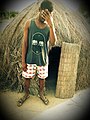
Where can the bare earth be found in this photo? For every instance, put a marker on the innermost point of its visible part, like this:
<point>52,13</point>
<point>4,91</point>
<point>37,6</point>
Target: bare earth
<point>34,107</point>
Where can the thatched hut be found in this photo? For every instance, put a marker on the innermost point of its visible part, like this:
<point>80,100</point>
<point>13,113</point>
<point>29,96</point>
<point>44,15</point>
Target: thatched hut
<point>70,27</point>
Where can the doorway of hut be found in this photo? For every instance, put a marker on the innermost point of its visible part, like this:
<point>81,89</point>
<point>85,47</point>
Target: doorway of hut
<point>54,59</point>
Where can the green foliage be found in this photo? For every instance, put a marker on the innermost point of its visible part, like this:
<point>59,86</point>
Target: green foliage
<point>7,14</point>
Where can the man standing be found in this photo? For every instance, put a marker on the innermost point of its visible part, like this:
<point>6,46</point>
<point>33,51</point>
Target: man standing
<point>37,33</point>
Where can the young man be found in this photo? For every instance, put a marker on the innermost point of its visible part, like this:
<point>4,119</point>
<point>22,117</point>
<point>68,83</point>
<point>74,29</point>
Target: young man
<point>37,32</point>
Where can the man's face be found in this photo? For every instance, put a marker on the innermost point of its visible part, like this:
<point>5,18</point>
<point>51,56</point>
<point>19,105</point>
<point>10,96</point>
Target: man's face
<point>41,15</point>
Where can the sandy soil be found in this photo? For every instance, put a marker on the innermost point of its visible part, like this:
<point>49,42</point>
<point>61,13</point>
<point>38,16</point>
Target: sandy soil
<point>33,106</point>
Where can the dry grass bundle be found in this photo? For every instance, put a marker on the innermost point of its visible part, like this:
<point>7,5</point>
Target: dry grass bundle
<point>70,27</point>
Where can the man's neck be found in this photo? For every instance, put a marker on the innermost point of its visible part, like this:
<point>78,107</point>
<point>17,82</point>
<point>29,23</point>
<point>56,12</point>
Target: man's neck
<point>39,23</point>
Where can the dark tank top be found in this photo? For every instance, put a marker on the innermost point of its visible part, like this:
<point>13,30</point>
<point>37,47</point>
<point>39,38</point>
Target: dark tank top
<point>37,51</point>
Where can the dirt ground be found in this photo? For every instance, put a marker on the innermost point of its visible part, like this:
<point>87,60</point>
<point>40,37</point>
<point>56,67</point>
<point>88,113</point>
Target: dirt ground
<point>33,106</point>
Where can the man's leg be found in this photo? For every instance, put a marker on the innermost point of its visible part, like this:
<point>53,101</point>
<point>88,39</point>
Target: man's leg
<point>41,86</point>
<point>42,72</point>
<point>27,76</point>
<point>27,85</point>
<point>26,96</point>
<point>41,91</point>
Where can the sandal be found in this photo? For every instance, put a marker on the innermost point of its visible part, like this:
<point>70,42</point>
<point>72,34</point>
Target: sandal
<point>22,100</point>
<point>44,99</point>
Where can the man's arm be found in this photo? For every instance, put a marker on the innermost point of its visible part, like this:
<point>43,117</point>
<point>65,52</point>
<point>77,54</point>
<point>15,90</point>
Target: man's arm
<point>53,37</point>
<point>24,45</point>
<point>48,18</point>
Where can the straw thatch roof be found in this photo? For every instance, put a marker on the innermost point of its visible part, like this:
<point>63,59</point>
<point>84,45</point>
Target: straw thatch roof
<point>70,27</point>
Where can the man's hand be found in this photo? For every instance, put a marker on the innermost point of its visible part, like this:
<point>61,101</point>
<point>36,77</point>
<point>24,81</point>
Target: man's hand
<point>47,17</point>
<point>24,66</point>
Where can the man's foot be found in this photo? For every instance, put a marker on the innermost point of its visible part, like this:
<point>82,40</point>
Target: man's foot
<point>44,99</point>
<point>22,100</point>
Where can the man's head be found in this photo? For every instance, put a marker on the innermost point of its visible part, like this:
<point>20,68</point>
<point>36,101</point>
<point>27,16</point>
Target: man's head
<point>45,5</point>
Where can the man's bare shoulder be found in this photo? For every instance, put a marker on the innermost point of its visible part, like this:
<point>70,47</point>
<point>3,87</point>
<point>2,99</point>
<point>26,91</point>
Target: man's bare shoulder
<point>27,23</point>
